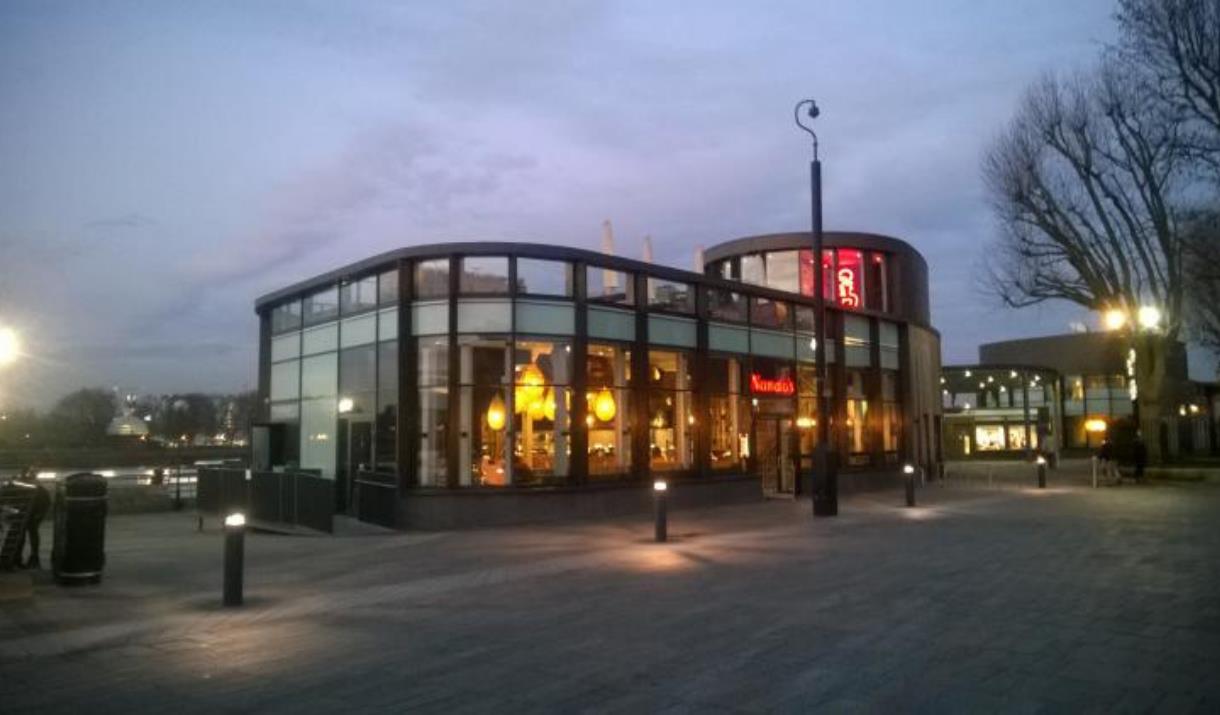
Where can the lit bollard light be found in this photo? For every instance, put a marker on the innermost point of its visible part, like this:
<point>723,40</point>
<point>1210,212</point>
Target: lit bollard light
<point>908,471</point>
<point>235,547</point>
<point>660,492</point>
<point>1041,461</point>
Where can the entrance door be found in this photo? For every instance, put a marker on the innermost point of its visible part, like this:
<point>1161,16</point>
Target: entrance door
<point>776,463</point>
<point>355,453</point>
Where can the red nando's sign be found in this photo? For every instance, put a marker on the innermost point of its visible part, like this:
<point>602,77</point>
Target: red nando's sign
<point>760,385</point>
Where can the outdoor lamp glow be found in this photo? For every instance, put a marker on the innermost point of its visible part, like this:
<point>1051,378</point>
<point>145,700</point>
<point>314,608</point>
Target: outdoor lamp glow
<point>1149,317</point>
<point>1114,319</point>
<point>1040,460</point>
<point>345,405</point>
<point>235,519</point>
<point>908,469</point>
<point>660,486</point>
<point>1095,425</point>
<point>10,346</point>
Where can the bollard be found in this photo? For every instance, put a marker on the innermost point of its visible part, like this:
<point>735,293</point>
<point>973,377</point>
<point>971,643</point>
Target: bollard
<point>660,491</point>
<point>1041,461</point>
<point>909,472</point>
<point>235,546</point>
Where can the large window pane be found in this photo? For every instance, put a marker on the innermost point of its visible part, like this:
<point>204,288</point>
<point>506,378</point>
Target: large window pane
<point>358,295</point>
<point>752,270</point>
<point>357,382</point>
<point>783,271</point>
<point>541,406</point>
<point>286,317</point>
<point>432,278</point>
<point>318,425</point>
<point>670,416</point>
<point>670,295</point>
<point>433,426</point>
<point>603,285</point>
<point>484,275</point>
<point>540,277</point>
<point>608,370</point>
<point>727,430</point>
<point>386,438</point>
<point>857,418</point>
<point>726,305</point>
<point>432,363</point>
<point>319,376</point>
<point>322,306</point>
<point>387,287</point>
<point>487,403</point>
<point>767,313</point>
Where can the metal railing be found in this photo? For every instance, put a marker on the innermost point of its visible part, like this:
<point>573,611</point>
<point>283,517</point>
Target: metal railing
<point>281,498</point>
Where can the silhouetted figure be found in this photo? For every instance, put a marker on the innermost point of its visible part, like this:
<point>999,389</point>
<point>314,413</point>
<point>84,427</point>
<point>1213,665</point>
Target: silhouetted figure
<point>1105,455</point>
<point>38,511</point>
<point>1139,453</point>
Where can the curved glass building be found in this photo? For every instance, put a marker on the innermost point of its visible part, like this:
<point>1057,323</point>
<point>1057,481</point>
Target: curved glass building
<point>469,384</point>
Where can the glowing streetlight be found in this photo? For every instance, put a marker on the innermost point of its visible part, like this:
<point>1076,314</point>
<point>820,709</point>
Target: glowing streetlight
<point>10,346</point>
<point>1149,317</point>
<point>1114,319</point>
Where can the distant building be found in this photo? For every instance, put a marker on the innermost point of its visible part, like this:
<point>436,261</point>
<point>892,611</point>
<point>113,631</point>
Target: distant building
<point>1068,393</point>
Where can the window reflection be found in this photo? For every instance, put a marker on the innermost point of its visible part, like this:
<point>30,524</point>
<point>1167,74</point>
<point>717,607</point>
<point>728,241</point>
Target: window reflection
<point>432,278</point>
<point>484,275</point>
<point>603,285</point>
<point>728,416</point>
<point>670,295</point>
<point>669,415</point>
<point>539,277</point>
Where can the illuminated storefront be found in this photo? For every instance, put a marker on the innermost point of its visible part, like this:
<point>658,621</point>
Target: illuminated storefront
<point>441,372</point>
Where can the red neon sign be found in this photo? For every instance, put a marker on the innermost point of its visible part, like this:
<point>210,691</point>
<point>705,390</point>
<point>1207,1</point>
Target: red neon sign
<point>771,386</point>
<point>847,279</point>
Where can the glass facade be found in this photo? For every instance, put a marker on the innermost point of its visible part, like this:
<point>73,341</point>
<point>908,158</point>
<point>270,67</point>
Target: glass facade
<point>854,279</point>
<point>524,371</point>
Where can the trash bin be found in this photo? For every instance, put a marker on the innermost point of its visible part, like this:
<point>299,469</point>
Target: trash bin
<point>78,551</point>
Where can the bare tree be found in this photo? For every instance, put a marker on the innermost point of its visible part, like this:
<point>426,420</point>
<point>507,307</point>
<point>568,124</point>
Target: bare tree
<point>1084,182</point>
<point>1177,42</point>
<point>1202,267</point>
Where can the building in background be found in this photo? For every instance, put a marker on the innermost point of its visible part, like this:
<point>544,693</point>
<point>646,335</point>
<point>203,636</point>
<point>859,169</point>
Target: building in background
<point>483,383</point>
<point>1067,392</point>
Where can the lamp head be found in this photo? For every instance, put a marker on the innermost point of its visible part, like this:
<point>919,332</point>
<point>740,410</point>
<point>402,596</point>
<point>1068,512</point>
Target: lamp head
<point>813,110</point>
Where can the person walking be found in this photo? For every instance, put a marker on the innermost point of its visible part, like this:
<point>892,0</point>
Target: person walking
<point>38,511</point>
<point>1139,454</point>
<point>1105,455</point>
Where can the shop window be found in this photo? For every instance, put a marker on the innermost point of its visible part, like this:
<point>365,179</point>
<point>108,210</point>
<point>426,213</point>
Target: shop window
<point>891,418</point>
<point>542,405</point>
<point>857,416</point>
<point>728,431</point>
<point>989,438</point>
<point>387,287</point>
<point>484,275</point>
<point>541,277</point>
<point>849,278</point>
<point>603,285</point>
<point>767,313</point>
<point>783,271</point>
<point>322,306</point>
<point>433,427</point>
<point>753,270</point>
<point>358,296</point>
<point>806,319</point>
<point>1016,437</point>
<point>669,415</point>
<point>486,402</point>
<point>726,305</point>
<point>670,295</point>
<point>432,278</point>
<point>856,341</point>
<point>608,413</point>
<point>386,428</point>
<point>286,317</point>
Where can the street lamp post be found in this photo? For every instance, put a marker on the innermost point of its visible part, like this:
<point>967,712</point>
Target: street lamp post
<point>825,480</point>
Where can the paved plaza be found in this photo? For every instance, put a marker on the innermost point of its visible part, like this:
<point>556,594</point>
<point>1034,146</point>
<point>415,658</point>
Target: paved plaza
<point>982,599</point>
